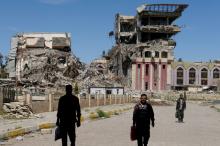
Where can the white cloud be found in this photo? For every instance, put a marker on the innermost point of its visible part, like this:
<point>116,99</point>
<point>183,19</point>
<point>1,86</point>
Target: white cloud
<point>54,2</point>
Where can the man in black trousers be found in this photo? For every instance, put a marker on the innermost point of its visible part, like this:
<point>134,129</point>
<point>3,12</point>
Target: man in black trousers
<point>68,115</point>
<point>180,107</point>
<point>143,114</point>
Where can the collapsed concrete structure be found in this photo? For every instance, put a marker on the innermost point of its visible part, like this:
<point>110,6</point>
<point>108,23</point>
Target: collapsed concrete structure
<point>144,46</point>
<point>144,53</point>
<point>42,58</point>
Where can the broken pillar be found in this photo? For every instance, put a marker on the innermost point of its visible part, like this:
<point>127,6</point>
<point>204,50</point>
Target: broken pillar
<point>50,98</point>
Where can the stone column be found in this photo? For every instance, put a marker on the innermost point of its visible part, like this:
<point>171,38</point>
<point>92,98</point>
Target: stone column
<point>28,100</point>
<point>89,100</point>
<point>133,76</point>
<point>105,96</point>
<point>50,98</point>
<point>159,77</point>
<point>151,77</point>
<point>115,99</point>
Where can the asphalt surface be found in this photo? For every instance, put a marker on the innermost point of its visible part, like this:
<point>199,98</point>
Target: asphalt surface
<point>201,127</point>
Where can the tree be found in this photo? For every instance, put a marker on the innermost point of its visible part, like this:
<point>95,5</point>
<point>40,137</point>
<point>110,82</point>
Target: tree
<point>103,53</point>
<point>76,89</point>
<point>180,60</point>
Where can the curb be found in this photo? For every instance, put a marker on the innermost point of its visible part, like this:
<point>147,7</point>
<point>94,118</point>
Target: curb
<point>23,131</point>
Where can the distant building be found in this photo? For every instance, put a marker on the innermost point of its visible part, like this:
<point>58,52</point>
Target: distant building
<point>107,90</point>
<point>195,74</point>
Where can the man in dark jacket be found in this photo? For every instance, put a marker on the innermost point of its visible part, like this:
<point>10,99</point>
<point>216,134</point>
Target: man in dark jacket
<point>143,114</point>
<point>180,107</point>
<point>68,115</point>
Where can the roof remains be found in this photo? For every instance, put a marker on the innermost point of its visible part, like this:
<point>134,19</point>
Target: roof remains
<point>165,8</point>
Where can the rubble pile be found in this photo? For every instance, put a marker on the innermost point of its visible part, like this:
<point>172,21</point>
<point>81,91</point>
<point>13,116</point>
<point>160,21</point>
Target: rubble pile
<point>91,77</point>
<point>17,110</point>
<point>51,67</point>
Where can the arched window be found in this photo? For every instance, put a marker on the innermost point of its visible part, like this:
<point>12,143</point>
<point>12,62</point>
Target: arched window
<point>216,73</point>
<point>164,54</point>
<point>204,76</point>
<point>180,76</point>
<point>157,54</point>
<point>148,54</point>
<point>192,76</point>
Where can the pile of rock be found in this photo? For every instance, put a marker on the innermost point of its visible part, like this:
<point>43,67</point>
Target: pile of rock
<point>17,110</point>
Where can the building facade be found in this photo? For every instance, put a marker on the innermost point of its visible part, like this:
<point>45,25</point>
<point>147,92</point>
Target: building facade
<point>151,32</point>
<point>195,74</point>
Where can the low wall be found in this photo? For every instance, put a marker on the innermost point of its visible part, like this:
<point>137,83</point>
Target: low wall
<point>51,104</point>
<point>40,106</point>
<point>189,96</point>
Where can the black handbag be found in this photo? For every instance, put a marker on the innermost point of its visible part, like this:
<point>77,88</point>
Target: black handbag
<point>57,133</point>
<point>177,114</point>
<point>133,134</point>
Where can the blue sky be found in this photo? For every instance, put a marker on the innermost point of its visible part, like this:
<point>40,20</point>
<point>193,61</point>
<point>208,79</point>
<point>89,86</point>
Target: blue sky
<point>89,22</point>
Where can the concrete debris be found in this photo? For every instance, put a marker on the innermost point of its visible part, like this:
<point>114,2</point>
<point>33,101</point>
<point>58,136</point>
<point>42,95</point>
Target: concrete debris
<point>19,138</point>
<point>52,67</point>
<point>17,110</point>
<point>92,76</point>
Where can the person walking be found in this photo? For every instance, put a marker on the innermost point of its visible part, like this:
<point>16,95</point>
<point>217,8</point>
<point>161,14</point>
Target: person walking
<point>142,115</point>
<point>180,107</point>
<point>68,115</point>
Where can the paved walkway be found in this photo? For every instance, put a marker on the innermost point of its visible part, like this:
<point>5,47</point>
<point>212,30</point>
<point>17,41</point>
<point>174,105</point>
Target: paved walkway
<point>201,128</point>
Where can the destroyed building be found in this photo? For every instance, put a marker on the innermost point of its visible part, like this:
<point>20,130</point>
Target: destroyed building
<point>144,52</point>
<point>42,58</point>
<point>144,48</point>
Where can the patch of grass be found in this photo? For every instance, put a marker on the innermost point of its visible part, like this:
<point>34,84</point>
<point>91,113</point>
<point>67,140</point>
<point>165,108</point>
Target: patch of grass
<point>102,114</point>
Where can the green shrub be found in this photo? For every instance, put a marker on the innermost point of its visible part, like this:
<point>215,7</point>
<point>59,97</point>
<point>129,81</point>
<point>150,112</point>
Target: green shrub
<point>101,114</point>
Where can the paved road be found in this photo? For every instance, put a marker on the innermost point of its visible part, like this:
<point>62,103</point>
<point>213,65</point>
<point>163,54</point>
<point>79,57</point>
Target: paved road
<point>201,128</point>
